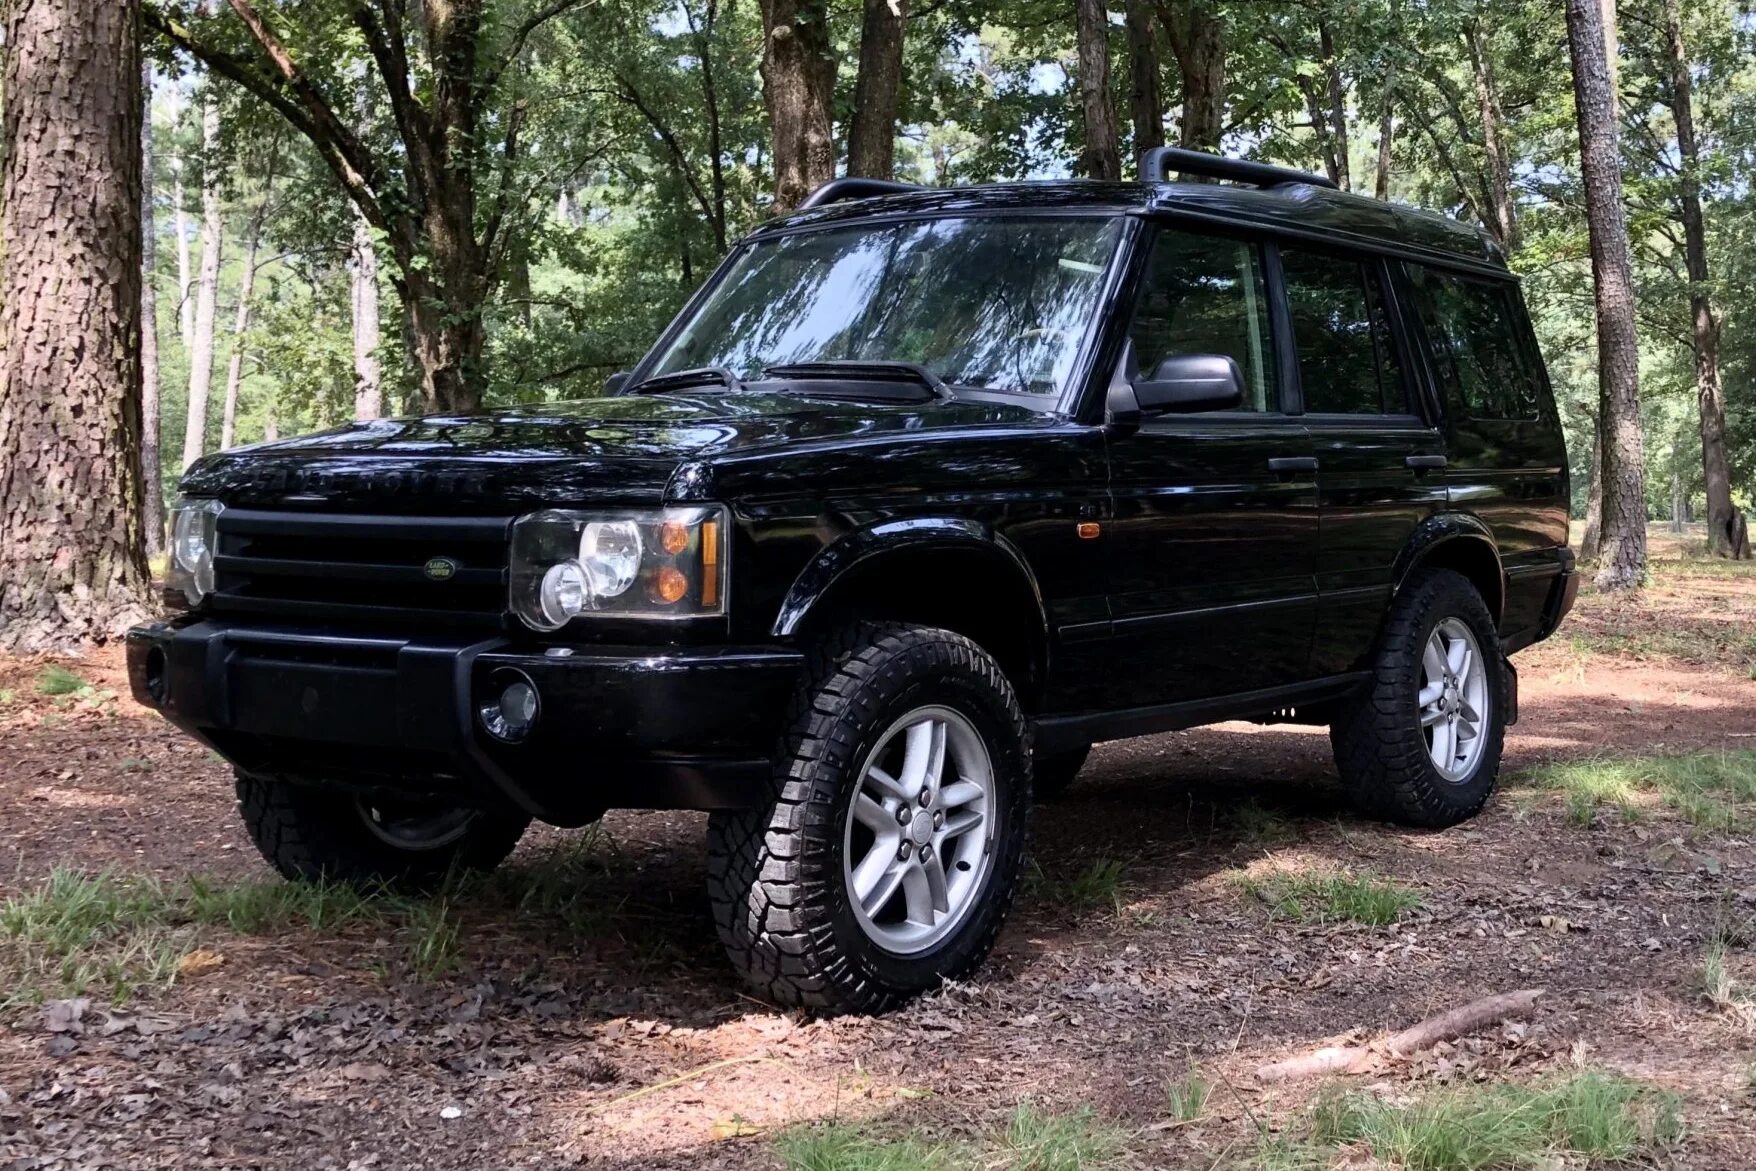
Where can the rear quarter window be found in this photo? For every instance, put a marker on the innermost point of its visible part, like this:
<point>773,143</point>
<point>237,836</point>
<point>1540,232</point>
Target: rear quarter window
<point>1480,345</point>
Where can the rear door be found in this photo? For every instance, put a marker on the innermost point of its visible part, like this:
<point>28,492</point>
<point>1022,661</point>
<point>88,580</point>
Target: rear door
<point>1213,544</point>
<point>1380,461</point>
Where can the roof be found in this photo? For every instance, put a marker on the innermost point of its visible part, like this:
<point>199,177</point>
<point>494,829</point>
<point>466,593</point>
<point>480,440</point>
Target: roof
<point>1301,209</point>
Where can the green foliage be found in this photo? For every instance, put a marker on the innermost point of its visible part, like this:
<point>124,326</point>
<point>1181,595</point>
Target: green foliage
<point>57,680</point>
<point>1332,897</point>
<point>1710,789</point>
<point>1095,886</point>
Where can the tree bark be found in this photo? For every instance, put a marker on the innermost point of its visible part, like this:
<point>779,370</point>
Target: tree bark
<point>206,290</point>
<point>1622,560</point>
<point>72,560</point>
<point>185,282</point>
<point>1337,90</point>
<point>798,86</point>
<point>368,373</point>
<point>1591,535</point>
<point>1387,116</point>
<point>1722,526</point>
<point>1102,156</point>
<point>241,322</point>
<point>877,90</point>
<point>152,501</point>
<point>1197,38</point>
<point>1499,161</point>
<point>1146,99</point>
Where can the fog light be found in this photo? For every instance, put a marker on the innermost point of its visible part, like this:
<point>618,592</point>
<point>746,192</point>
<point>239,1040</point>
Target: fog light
<point>512,711</point>
<point>566,592</point>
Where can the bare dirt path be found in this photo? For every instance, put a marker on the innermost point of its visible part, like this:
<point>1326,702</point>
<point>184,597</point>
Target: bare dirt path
<point>602,1029</point>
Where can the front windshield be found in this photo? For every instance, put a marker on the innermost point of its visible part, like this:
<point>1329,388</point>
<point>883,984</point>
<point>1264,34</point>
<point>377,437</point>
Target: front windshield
<point>1000,304</point>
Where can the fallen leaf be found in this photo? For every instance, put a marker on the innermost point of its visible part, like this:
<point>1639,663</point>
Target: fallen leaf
<point>199,962</point>
<point>364,1071</point>
<point>733,1128</point>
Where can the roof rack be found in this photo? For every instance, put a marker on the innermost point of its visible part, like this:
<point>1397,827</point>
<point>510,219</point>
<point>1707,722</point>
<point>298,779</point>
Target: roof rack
<point>1160,161</point>
<point>853,187</point>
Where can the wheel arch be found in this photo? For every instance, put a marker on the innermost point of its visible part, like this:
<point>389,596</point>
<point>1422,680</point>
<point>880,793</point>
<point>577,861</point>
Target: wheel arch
<point>979,585</point>
<point>1460,542</point>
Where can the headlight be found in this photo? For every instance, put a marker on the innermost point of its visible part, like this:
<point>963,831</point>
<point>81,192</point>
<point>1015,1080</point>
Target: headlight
<point>664,563</point>
<point>189,568</point>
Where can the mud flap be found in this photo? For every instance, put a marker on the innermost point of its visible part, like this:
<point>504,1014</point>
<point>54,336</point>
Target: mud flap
<point>1511,692</point>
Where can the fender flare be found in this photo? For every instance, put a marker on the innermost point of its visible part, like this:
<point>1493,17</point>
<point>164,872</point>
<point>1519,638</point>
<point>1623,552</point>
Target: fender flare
<point>1447,530</point>
<point>857,549</point>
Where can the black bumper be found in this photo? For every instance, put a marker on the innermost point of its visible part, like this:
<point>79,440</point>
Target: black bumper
<point>618,727</point>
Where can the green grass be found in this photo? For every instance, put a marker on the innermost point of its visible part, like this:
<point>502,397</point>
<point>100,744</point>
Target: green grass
<point>1712,790</point>
<point>1186,1097</point>
<point>1032,1139</point>
<point>1590,1118</point>
<point>1096,886</point>
<point>58,680</point>
<point>1332,897</point>
<point>1257,825</point>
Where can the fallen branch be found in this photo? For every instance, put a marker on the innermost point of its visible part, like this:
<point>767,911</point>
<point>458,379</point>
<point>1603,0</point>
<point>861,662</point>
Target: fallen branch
<point>1360,1058</point>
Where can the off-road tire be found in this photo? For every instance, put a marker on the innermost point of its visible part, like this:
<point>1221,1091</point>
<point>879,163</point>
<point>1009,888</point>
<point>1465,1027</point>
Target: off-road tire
<point>775,875</point>
<point>308,833</point>
<point>1053,775</point>
<point>1379,747</point>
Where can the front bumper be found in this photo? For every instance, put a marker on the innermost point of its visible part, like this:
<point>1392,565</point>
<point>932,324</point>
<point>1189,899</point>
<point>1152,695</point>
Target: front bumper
<point>618,727</point>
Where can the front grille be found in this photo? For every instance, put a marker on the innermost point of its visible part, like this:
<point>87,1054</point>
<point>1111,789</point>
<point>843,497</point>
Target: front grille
<point>369,569</point>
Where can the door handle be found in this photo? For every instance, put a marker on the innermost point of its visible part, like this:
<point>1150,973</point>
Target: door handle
<point>1424,463</point>
<point>1287,464</point>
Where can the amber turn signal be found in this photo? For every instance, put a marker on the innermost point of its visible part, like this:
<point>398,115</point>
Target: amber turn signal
<point>673,537</point>
<point>669,585</point>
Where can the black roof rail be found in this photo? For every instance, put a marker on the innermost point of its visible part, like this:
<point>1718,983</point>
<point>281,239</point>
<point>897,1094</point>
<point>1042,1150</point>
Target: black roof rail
<point>1160,161</point>
<point>853,187</point>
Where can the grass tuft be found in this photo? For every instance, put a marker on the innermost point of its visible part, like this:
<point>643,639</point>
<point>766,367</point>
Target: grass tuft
<point>1039,1140</point>
<point>1186,1097</point>
<point>1097,886</point>
<point>1590,1117</point>
<point>55,679</point>
<point>846,1146</point>
<point>1332,897</point>
<point>1712,790</point>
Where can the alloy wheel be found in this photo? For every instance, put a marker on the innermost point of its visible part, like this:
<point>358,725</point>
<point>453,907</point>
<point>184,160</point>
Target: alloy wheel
<point>1454,699</point>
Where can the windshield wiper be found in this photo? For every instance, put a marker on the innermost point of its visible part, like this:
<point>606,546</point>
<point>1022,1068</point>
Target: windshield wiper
<point>859,370</point>
<point>686,379</point>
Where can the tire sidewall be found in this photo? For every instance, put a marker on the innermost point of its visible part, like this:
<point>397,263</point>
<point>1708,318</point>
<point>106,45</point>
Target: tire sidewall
<point>994,715</point>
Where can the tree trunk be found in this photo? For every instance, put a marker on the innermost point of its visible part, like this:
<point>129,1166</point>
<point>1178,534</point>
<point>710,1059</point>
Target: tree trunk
<point>72,559</point>
<point>1102,156</point>
<point>1677,501</point>
<point>715,131</point>
<point>1591,536</point>
<point>1337,90</point>
<point>1722,523</point>
<point>152,500</point>
<point>1387,117</point>
<point>1201,59</point>
<point>872,133</point>
<point>1499,161</point>
<point>1622,562</point>
<point>1146,99</point>
<point>206,291</point>
<point>185,282</point>
<point>241,323</point>
<point>368,374</point>
<point>798,86</point>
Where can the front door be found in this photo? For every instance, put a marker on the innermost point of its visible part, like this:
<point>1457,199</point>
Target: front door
<point>1212,548</point>
<point>1380,462</point>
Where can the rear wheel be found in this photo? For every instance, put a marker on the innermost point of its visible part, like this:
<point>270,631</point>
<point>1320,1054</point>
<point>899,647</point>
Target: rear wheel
<point>1422,744</point>
<point>889,857</point>
<point>308,833</point>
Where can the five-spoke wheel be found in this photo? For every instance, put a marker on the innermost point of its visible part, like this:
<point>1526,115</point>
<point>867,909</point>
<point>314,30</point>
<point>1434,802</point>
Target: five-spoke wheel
<point>1454,698</point>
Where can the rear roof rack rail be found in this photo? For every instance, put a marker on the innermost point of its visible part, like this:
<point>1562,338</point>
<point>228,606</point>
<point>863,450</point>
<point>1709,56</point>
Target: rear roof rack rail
<point>853,187</point>
<point>1161,161</point>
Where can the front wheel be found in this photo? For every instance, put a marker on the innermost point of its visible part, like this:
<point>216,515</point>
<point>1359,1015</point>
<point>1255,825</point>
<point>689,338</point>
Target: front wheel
<point>889,857</point>
<point>1421,745</point>
<point>310,833</point>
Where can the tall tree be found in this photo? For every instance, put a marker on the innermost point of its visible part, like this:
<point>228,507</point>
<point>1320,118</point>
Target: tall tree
<point>368,372</point>
<point>798,83</point>
<point>1727,535</point>
<point>1494,150</point>
<point>1146,99</point>
<point>185,269</point>
<point>1622,468</point>
<point>206,285</point>
<point>1197,36</point>
<point>152,503</point>
<point>1102,156</point>
<point>71,551</point>
<point>451,193</point>
<point>877,89</point>
<point>241,317</point>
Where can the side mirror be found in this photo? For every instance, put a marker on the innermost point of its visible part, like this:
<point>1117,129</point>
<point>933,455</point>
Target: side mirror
<point>1186,383</point>
<point>615,382</point>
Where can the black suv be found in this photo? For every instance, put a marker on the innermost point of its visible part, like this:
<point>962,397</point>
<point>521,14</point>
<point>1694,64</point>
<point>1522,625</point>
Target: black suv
<point>923,494</point>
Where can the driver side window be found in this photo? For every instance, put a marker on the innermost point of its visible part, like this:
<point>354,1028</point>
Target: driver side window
<point>1206,295</point>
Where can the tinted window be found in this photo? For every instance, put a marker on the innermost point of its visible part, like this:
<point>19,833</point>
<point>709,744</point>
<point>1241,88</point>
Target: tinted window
<point>1205,295</point>
<point>1002,304</point>
<point>1478,345</point>
<point>1347,364</point>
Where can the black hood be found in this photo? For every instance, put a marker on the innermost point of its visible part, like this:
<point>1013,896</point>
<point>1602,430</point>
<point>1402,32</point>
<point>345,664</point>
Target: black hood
<point>624,449</point>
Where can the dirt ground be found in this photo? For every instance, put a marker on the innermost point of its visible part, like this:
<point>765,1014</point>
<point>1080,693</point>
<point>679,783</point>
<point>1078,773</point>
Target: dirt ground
<point>620,1039</point>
